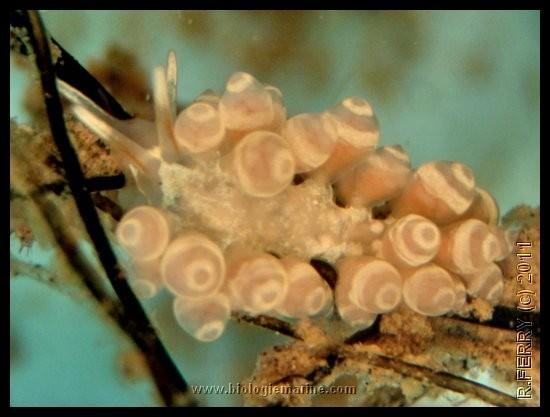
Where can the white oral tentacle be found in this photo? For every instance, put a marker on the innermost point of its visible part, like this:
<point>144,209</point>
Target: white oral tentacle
<point>163,116</point>
<point>141,158</point>
<point>172,82</point>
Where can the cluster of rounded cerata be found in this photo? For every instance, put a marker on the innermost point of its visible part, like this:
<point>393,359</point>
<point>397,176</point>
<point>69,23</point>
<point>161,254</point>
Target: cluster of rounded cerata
<point>439,242</point>
<point>208,282</point>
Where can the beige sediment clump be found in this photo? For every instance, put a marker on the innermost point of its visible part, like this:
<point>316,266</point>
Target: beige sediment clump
<point>226,227</point>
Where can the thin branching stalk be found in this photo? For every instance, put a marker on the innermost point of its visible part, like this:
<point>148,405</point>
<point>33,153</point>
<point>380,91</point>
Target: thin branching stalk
<point>170,383</point>
<point>267,322</point>
<point>442,379</point>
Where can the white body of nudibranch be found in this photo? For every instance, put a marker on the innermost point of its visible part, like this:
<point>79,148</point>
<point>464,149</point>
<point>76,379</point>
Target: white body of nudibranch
<point>216,201</point>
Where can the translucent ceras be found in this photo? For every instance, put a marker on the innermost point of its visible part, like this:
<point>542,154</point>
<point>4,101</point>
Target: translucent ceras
<point>467,246</point>
<point>199,129</point>
<point>256,282</point>
<point>262,163</point>
<point>486,283</point>
<point>430,290</point>
<point>367,283</point>
<point>203,318</point>
<point>193,266</point>
<point>357,134</point>
<point>312,138</point>
<point>411,241</point>
<point>146,280</point>
<point>308,294</point>
<point>484,207</point>
<point>247,105</point>
<point>440,191</point>
<point>214,216</point>
<point>381,176</point>
<point>144,232</point>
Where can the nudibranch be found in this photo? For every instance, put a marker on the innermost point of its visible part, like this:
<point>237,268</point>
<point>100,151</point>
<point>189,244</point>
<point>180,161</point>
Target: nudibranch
<point>214,217</point>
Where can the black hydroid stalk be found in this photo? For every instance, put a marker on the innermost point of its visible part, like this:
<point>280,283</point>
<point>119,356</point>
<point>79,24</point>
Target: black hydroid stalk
<point>170,383</point>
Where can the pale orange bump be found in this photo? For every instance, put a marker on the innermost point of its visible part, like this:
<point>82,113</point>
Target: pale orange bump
<point>145,279</point>
<point>484,208</point>
<point>372,284</point>
<point>460,293</point>
<point>429,290</point>
<point>487,283</point>
<point>308,294</point>
<point>467,246</point>
<point>262,163</point>
<point>381,176</point>
<point>144,232</point>
<point>203,318</point>
<point>441,191</point>
<point>193,266</point>
<point>208,97</point>
<point>411,241</point>
<point>350,313</point>
<point>199,129</point>
<point>312,139</point>
<point>279,109</point>
<point>505,242</point>
<point>357,134</point>
<point>256,282</point>
<point>246,105</point>
<point>367,232</point>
